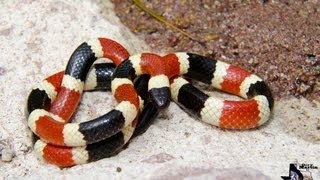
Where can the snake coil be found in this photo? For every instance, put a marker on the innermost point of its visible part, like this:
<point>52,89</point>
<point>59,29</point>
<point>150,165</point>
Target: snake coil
<point>143,85</point>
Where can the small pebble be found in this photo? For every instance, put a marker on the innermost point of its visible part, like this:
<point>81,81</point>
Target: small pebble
<point>6,155</point>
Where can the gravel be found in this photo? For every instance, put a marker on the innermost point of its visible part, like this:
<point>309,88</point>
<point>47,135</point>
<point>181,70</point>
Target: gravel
<point>277,40</point>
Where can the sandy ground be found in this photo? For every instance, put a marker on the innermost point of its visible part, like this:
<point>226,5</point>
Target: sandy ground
<point>37,38</point>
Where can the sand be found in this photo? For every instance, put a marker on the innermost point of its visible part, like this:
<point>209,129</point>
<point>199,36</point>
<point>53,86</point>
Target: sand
<point>37,38</point>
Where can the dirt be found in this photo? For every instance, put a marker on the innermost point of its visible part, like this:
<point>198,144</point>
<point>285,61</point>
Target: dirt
<point>277,40</point>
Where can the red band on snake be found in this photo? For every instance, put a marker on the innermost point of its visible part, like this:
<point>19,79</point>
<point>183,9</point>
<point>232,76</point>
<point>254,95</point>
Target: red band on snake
<point>50,125</point>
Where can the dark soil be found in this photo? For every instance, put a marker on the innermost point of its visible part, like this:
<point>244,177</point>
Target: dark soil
<point>278,40</point>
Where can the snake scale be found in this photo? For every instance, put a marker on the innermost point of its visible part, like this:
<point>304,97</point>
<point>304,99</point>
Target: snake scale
<point>143,85</point>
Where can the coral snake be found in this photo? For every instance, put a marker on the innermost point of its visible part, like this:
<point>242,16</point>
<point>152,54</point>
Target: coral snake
<point>143,84</point>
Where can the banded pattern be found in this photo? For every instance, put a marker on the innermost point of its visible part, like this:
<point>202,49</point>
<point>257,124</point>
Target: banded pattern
<point>53,101</point>
<point>229,78</point>
<point>100,76</point>
<point>145,63</point>
<point>225,114</point>
<point>62,96</point>
<point>50,129</point>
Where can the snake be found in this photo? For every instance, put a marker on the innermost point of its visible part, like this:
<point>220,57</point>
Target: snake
<point>54,99</point>
<point>99,78</point>
<point>228,114</point>
<point>164,83</point>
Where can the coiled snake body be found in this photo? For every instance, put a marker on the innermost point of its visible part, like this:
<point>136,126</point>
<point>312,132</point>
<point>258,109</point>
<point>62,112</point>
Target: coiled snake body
<point>53,101</point>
